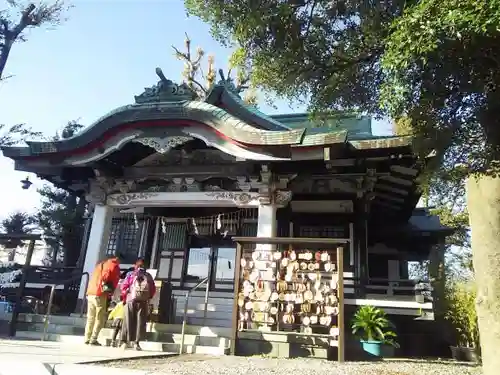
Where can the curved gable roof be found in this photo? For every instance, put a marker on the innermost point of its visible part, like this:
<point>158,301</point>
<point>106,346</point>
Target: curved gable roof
<point>169,114</point>
<point>232,103</point>
<point>169,110</point>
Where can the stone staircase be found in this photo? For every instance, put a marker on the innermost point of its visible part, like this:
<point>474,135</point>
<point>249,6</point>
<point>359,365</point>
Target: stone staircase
<point>159,337</point>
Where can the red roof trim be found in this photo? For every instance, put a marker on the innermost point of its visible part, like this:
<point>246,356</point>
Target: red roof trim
<point>130,126</point>
<point>142,124</point>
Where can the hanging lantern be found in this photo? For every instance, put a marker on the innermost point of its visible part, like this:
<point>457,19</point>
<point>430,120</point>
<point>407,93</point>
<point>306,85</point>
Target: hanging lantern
<point>26,183</point>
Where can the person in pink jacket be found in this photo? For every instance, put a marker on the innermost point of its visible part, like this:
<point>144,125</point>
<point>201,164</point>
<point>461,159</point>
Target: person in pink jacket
<point>137,290</point>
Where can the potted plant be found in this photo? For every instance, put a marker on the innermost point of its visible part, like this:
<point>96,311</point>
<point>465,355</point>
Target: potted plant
<point>374,330</point>
<point>461,312</point>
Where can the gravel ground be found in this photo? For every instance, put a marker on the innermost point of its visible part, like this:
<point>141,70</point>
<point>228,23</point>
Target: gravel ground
<point>227,365</point>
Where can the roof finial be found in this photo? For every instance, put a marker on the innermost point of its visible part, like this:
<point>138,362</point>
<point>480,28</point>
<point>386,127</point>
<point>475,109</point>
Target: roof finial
<point>165,91</point>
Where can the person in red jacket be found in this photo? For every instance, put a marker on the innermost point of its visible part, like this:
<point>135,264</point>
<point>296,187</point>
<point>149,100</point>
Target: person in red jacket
<point>102,283</point>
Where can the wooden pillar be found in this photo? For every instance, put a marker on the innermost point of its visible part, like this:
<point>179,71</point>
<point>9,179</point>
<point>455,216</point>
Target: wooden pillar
<point>85,239</point>
<point>341,316</point>
<point>155,251</point>
<point>403,269</point>
<point>148,240</point>
<point>361,241</point>
<point>20,291</point>
<point>235,317</point>
<point>437,277</point>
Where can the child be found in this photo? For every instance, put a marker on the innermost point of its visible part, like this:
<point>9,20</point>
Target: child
<point>117,315</point>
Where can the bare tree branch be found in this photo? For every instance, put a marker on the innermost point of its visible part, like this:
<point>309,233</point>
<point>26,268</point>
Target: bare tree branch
<point>192,67</point>
<point>30,16</point>
<point>193,72</point>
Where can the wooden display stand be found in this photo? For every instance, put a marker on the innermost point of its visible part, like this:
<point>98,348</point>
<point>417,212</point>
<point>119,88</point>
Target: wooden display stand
<point>290,286</point>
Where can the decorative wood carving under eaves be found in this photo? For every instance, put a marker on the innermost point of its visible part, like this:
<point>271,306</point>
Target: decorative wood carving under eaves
<point>163,145</point>
<point>323,185</point>
<point>359,185</point>
<point>238,189</point>
<point>101,187</point>
<point>240,199</point>
<point>190,158</point>
<point>123,199</point>
<point>96,195</point>
<point>280,197</point>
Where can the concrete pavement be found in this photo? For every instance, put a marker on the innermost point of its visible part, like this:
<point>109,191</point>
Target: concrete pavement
<point>57,352</point>
<point>41,357</point>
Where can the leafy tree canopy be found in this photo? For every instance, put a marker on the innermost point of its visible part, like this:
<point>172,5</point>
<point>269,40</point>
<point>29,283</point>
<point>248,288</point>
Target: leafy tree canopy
<point>12,135</point>
<point>61,214</point>
<point>329,51</point>
<point>441,65</point>
<point>17,223</point>
<point>433,62</point>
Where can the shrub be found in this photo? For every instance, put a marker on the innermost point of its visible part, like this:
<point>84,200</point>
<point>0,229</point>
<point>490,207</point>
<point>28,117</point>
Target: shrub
<point>461,312</point>
<point>371,324</point>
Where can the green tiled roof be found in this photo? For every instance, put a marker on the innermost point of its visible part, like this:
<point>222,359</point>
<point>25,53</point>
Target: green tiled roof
<point>227,114</point>
<point>323,138</point>
<point>358,126</point>
<point>381,142</point>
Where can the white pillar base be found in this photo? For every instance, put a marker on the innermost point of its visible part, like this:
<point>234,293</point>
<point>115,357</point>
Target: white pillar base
<point>97,243</point>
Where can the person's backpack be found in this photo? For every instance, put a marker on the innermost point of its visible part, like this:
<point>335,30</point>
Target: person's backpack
<point>140,288</point>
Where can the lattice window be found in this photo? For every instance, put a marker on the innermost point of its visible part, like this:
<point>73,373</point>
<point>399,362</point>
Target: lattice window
<point>172,236</point>
<point>249,229</point>
<point>125,238</point>
<point>323,231</point>
<point>113,237</point>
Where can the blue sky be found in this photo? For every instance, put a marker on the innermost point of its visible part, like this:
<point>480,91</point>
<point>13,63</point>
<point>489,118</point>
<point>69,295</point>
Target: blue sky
<point>103,55</point>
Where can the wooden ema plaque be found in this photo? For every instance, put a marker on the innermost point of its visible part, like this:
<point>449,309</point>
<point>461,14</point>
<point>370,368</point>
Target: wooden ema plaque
<point>293,288</point>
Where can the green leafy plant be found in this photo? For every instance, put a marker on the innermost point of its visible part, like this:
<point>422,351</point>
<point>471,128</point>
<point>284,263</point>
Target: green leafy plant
<point>461,312</point>
<point>371,324</point>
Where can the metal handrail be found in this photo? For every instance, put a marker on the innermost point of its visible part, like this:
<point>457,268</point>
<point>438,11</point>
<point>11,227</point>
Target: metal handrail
<point>184,318</point>
<point>51,299</point>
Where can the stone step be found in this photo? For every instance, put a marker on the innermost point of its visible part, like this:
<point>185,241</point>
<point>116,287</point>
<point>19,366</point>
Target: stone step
<point>191,329</point>
<point>175,338</point>
<point>189,338</point>
<point>153,346</point>
<point>79,322</point>
<point>75,321</point>
<point>63,329</point>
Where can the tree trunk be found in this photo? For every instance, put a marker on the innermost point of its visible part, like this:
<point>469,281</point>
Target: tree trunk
<point>445,333</point>
<point>53,257</point>
<point>483,202</point>
<point>438,279</point>
<point>4,56</point>
<point>73,239</point>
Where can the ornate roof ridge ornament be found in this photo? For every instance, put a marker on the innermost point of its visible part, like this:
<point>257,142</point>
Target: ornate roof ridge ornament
<point>236,87</point>
<point>165,91</point>
<point>228,83</point>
